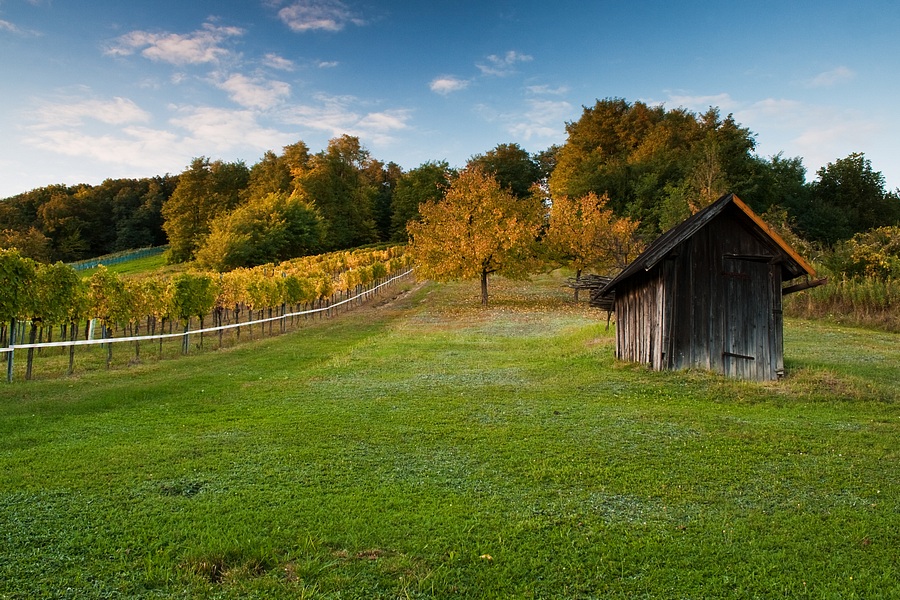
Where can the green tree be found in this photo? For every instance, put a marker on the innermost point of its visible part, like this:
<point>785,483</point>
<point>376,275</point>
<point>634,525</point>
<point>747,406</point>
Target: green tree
<point>204,191</point>
<point>335,184</point>
<point>272,228</point>
<point>384,179</point>
<point>427,182</point>
<point>477,230</point>
<point>512,167</point>
<point>653,163</point>
<point>271,175</point>
<point>848,197</point>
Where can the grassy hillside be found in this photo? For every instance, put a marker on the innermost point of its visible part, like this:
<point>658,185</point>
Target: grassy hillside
<point>430,448</point>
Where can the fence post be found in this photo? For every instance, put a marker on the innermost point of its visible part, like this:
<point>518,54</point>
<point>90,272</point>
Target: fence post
<point>11,339</point>
<point>185,342</point>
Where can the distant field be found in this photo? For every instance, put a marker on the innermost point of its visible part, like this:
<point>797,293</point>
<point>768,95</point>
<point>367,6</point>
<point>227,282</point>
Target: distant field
<point>137,266</point>
<point>430,448</point>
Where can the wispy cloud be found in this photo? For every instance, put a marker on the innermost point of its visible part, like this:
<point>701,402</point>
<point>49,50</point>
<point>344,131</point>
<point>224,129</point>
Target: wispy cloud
<point>447,85</point>
<point>223,129</point>
<point>502,65</point>
<point>701,103</point>
<point>338,115</point>
<point>15,29</point>
<point>118,111</point>
<point>833,77</point>
<point>116,132</point>
<point>312,15</point>
<point>327,64</point>
<point>254,93</point>
<point>275,61</point>
<point>543,119</point>
<point>546,90</point>
<point>199,47</point>
<point>7,26</point>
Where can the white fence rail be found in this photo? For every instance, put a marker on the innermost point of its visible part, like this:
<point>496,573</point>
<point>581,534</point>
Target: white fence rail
<point>11,348</point>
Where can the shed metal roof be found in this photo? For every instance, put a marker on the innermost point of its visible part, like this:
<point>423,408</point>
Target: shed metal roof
<point>793,265</point>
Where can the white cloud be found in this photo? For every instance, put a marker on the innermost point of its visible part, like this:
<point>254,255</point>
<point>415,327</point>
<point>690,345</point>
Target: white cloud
<point>446,85</point>
<point>278,62</point>
<point>338,115</point>
<point>832,77</point>
<point>702,103</point>
<point>222,129</point>
<point>117,111</point>
<point>544,119</point>
<point>818,133</point>
<point>199,47</point>
<point>7,26</point>
<point>255,93</point>
<point>546,90</point>
<point>501,66</point>
<point>135,146</point>
<point>383,122</point>
<point>115,132</point>
<point>327,64</point>
<point>13,28</point>
<point>311,15</point>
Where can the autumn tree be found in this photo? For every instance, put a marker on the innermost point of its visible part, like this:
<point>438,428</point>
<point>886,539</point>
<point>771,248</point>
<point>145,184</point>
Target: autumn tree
<point>477,230</point>
<point>584,233</point>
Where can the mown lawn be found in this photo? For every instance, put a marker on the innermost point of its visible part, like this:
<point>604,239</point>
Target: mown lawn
<point>431,448</point>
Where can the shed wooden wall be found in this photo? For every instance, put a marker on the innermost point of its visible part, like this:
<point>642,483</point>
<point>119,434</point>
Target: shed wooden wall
<point>714,302</point>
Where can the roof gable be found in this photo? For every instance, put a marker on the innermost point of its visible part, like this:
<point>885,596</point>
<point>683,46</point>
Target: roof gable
<point>690,226</point>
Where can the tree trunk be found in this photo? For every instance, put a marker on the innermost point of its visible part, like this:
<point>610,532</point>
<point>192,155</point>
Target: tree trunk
<point>484,287</point>
<point>577,280</point>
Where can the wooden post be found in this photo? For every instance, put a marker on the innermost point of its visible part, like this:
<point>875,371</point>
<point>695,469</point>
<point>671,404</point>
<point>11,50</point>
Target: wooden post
<point>73,333</point>
<point>11,340</point>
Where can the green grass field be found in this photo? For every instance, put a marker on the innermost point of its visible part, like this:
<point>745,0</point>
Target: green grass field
<point>139,266</point>
<point>430,448</point>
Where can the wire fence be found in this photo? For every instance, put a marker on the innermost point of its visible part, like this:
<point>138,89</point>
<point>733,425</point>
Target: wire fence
<point>329,308</point>
<point>118,257</point>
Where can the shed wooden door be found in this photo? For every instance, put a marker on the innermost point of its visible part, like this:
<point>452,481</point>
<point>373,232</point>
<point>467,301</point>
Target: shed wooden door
<point>748,328</point>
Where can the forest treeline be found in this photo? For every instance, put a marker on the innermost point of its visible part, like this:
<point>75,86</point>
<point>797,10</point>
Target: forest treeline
<point>655,165</point>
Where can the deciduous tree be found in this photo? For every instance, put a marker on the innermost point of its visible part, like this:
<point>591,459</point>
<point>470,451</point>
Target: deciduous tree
<point>584,233</point>
<point>428,181</point>
<point>205,191</point>
<point>478,229</point>
<point>272,228</point>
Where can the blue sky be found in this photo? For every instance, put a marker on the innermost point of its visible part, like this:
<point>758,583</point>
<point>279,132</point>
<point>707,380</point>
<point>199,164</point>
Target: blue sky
<point>100,89</point>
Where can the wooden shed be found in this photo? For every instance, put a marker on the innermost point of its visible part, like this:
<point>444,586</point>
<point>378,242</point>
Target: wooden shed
<point>707,294</point>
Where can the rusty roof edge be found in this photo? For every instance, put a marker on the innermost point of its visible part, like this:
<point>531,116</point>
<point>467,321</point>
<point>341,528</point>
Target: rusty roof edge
<point>665,242</point>
<point>774,236</point>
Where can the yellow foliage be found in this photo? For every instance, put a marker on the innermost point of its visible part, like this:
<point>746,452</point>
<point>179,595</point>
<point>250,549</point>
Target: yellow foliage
<point>584,234</point>
<point>477,229</point>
